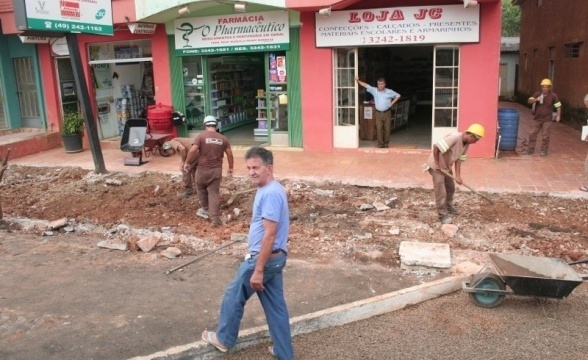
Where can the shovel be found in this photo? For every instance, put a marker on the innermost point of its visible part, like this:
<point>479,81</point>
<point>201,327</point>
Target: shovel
<point>474,191</point>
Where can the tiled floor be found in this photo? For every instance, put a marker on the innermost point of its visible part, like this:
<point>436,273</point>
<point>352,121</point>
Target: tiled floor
<point>562,172</point>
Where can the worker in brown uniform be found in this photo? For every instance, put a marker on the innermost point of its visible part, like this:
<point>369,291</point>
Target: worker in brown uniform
<point>209,148</point>
<point>181,146</point>
<point>451,149</point>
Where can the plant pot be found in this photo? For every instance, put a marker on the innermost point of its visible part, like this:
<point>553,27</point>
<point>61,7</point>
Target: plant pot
<point>73,143</point>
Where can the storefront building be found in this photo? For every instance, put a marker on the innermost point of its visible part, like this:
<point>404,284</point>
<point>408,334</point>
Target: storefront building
<point>441,56</point>
<point>118,68</point>
<point>282,73</point>
<point>238,62</point>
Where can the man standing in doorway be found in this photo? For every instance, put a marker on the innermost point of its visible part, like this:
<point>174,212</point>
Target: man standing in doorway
<point>209,147</point>
<point>384,99</point>
<point>261,272</point>
<point>544,103</point>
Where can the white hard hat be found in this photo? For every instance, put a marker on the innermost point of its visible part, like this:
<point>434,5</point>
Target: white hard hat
<point>210,121</point>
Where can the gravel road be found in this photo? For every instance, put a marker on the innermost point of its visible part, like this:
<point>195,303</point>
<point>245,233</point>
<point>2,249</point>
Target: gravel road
<point>452,327</point>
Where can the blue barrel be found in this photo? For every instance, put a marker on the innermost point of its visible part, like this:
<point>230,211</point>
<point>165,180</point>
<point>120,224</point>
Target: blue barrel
<point>508,121</point>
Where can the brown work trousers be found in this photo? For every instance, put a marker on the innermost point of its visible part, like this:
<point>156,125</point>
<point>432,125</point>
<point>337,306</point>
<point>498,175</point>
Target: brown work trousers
<point>444,190</point>
<point>208,185</point>
<point>189,177</point>
<point>383,127</point>
<point>535,128</point>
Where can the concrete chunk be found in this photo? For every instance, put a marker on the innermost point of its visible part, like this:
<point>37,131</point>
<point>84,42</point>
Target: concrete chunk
<point>57,224</point>
<point>449,229</point>
<point>146,244</point>
<point>171,252</point>
<point>424,254</point>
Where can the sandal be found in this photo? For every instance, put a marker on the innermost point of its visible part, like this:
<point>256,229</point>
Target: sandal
<point>584,188</point>
<point>210,338</point>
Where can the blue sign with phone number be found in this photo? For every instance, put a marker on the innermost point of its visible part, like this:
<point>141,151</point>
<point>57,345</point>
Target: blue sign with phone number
<point>75,27</point>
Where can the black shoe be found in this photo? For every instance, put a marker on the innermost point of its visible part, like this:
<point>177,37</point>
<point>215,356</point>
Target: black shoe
<point>452,210</point>
<point>185,194</point>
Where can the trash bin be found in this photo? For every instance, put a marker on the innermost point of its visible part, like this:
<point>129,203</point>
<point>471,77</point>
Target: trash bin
<point>160,119</point>
<point>508,122</point>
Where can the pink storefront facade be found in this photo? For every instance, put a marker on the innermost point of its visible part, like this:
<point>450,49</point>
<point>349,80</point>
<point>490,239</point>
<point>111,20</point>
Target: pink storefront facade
<point>475,76</point>
<point>448,77</point>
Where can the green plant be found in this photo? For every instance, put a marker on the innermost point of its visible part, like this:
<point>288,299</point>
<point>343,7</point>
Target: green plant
<point>73,123</point>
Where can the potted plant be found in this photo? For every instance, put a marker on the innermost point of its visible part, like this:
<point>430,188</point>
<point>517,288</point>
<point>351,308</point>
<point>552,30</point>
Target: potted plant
<point>72,129</point>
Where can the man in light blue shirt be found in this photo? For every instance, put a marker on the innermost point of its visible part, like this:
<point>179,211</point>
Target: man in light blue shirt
<point>261,272</point>
<point>384,99</point>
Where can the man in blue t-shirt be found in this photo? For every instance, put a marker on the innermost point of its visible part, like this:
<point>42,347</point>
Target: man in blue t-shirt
<point>384,99</point>
<point>261,272</point>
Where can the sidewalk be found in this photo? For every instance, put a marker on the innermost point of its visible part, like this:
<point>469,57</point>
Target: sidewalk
<point>560,172</point>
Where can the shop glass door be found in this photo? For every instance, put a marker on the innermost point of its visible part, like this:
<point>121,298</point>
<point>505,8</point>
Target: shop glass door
<point>346,129</point>
<point>445,91</point>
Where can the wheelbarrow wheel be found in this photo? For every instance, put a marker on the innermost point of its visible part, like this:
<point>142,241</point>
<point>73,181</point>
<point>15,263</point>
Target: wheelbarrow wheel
<point>488,281</point>
<point>163,152</point>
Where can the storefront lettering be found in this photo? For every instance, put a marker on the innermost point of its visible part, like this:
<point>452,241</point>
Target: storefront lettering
<point>241,19</point>
<point>395,15</point>
<point>248,29</point>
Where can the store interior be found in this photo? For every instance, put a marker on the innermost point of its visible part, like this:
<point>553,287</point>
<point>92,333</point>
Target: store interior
<point>236,88</point>
<point>408,70</point>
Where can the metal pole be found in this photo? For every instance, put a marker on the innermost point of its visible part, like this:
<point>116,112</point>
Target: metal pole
<point>84,96</point>
<point>202,256</point>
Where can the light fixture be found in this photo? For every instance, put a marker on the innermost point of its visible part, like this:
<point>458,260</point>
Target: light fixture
<point>184,10</point>
<point>240,7</point>
<point>325,11</point>
<point>469,3</point>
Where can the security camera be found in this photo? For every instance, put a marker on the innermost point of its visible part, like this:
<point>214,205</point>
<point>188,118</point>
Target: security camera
<point>325,12</point>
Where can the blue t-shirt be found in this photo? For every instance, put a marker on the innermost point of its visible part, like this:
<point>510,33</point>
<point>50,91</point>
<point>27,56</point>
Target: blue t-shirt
<point>382,99</point>
<point>270,203</point>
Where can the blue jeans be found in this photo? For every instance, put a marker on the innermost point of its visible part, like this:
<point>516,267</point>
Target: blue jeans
<point>272,300</point>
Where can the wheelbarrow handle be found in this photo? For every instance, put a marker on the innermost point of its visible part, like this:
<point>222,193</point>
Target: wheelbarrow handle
<point>578,262</point>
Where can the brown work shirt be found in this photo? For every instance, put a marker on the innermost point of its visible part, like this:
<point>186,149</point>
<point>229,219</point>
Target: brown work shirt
<point>543,112</point>
<point>451,149</point>
<point>211,147</point>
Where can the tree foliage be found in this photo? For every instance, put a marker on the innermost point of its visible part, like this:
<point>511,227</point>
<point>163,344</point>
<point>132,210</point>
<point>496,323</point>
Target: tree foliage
<point>511,19</point>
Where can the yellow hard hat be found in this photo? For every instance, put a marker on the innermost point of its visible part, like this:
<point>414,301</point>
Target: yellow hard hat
<point>545,82</point>
<point>476,129</point>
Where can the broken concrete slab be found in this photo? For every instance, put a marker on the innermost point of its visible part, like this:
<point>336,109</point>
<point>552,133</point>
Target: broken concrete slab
<point>379,206</point>
<point>421,254</point>
<point>113,245</point>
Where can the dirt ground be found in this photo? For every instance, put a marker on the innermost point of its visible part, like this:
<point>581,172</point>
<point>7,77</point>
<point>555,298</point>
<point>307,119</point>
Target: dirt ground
<point>59,284</point>
<point>326,217</point>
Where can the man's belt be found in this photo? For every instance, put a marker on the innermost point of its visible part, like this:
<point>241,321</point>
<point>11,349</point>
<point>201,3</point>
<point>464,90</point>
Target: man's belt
<point>274,254</point>
<point>385,111</point>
